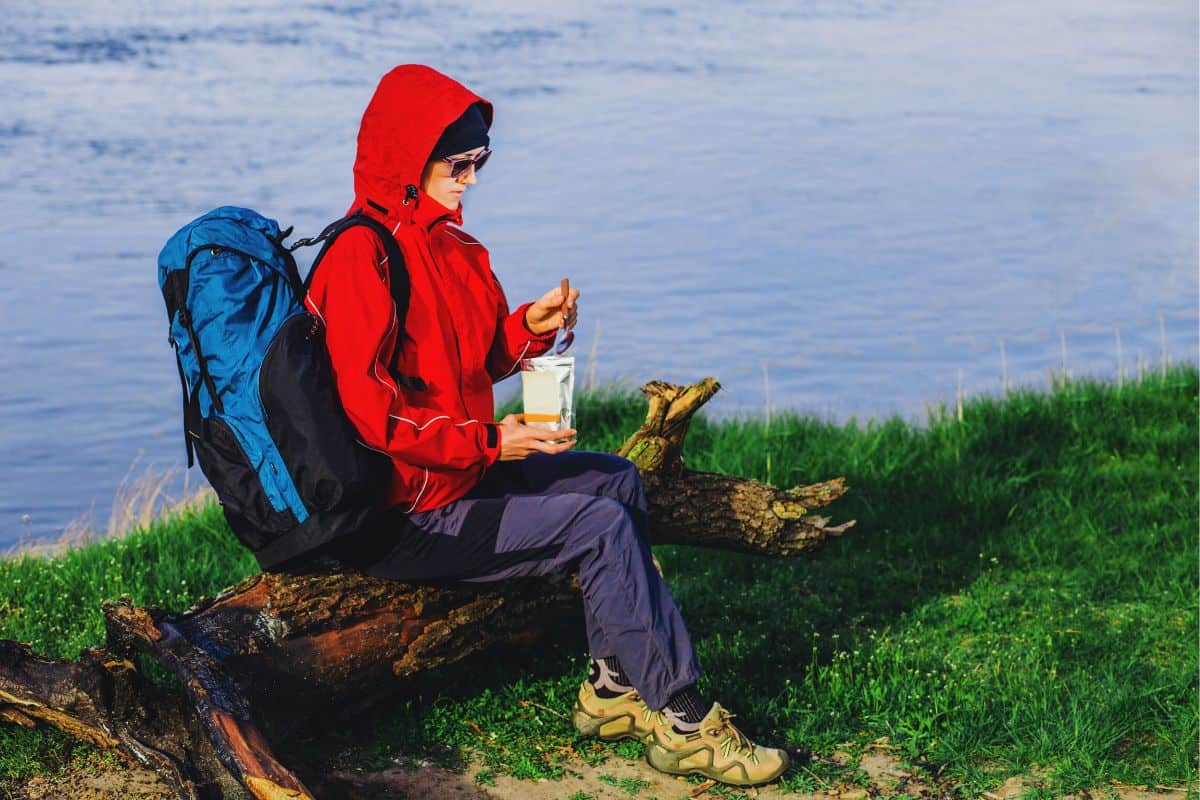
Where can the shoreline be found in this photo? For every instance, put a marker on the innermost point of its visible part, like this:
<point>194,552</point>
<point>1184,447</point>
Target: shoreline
<point>142,500</point>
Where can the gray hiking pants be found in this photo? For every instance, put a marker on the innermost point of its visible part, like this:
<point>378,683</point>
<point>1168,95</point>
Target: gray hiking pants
<point>546,515</point>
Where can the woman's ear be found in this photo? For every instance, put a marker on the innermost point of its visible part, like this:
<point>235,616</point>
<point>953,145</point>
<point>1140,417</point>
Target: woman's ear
<point>426,174</point>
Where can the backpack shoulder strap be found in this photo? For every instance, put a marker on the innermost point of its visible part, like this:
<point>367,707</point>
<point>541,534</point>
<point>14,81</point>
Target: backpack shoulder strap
<point>397,272</point>
<point>398,279</point>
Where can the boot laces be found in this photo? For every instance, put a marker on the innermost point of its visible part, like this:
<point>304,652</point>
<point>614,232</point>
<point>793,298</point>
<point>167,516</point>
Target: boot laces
<point>731,737</point>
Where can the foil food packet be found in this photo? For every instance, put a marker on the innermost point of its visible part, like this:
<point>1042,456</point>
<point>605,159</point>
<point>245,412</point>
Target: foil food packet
<point>548,391</point>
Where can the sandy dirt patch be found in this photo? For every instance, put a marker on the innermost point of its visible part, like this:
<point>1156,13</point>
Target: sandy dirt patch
<point>114,783</point>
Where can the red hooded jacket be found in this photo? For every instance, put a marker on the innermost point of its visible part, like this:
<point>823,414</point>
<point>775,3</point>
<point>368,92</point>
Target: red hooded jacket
<point>461,336</point>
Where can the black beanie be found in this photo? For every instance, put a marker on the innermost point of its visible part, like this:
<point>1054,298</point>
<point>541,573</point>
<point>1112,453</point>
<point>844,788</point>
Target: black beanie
<point>465,133</point>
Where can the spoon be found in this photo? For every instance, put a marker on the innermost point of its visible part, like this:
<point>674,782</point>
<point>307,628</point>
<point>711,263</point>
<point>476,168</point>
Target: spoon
<point>561,346</point>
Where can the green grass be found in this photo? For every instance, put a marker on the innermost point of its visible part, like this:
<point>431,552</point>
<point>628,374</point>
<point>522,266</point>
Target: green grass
<point>1020,594</point>
<point>630,786</point>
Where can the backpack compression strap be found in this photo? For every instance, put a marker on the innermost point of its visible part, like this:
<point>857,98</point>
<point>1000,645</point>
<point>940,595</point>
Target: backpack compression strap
<point>175,293</point>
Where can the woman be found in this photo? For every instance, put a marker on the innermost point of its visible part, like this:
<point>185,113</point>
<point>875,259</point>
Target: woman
<point>473,499</point>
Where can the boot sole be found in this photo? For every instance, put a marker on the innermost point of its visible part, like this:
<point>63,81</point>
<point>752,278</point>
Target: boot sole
<point>655,757</point>
<point>588,725</point>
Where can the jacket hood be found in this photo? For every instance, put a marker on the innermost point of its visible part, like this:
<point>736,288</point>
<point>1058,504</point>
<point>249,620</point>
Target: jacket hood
<point>411,107</point>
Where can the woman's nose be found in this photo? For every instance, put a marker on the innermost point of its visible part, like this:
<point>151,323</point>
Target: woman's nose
<point>468,177</point>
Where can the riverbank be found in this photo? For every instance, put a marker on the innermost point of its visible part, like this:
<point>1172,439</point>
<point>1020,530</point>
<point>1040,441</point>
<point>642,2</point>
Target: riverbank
<point>1018,598</point>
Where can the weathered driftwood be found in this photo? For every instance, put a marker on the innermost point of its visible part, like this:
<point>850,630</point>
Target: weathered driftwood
<point>277,641</point>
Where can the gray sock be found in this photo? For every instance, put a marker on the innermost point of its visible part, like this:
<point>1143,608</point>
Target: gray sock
<point>686,710</point>
<point>607,677</point>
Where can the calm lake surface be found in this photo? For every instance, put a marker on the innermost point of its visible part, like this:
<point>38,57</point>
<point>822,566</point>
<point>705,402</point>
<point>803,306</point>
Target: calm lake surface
<point>839,207</point>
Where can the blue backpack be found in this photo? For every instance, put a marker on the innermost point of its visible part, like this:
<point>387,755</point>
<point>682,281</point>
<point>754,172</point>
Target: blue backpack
<point>260,408</point>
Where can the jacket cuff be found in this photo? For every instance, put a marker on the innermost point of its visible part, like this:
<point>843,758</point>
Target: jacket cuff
<point>491,445</point>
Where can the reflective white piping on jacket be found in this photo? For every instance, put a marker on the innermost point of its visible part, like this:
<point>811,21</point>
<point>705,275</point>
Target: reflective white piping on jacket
<point>375,449</point>
<point>395,390</point>
<point>375,365</point>
<point>430,422</point>
<point>518,361</point>
<point>308,301</point>
<point>421,428</point>
<point>453,231</point>
<point>423,485</point>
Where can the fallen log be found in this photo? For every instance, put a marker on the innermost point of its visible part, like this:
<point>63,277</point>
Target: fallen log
<point>277,638</point>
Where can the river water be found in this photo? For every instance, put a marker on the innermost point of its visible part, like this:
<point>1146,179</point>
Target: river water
<point>848,208</point>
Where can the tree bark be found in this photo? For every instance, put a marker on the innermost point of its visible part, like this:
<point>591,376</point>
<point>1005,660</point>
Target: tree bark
<point>277,638</point>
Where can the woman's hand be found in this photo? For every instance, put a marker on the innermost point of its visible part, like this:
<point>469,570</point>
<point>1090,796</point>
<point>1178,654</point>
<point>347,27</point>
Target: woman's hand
<point>552,310</point>
<point>518,440</point>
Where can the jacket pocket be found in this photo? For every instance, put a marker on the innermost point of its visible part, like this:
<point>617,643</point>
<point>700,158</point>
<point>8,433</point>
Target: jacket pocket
<point>404,367</point>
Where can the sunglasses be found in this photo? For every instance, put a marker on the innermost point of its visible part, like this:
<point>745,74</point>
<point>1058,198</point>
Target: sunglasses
<point>459,166</point>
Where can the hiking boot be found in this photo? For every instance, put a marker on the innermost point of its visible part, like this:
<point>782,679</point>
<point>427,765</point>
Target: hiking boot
<point>623,717</point>
<point>717,750</point>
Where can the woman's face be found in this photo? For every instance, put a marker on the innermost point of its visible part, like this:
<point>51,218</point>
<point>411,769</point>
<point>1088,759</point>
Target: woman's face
<point>437,183</point>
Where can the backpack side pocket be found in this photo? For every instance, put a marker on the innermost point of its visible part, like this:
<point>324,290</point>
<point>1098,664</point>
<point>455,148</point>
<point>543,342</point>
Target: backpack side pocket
<point>307,423</point>
<point>234,476</point>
